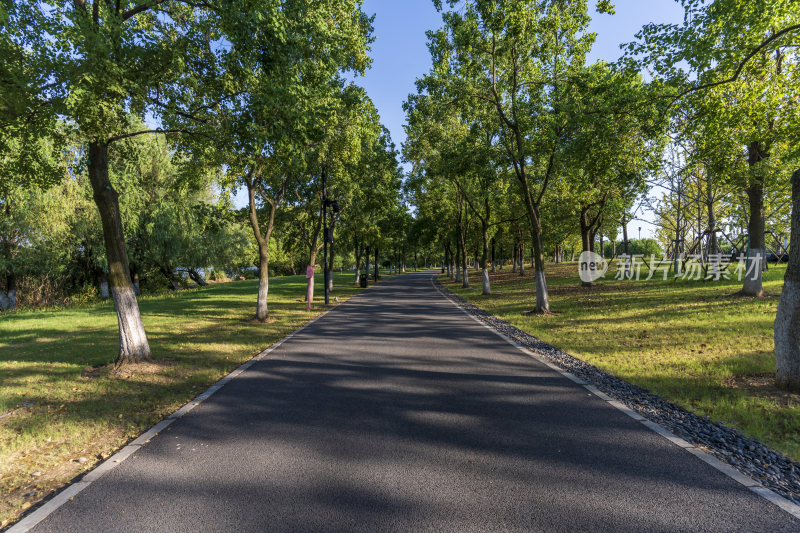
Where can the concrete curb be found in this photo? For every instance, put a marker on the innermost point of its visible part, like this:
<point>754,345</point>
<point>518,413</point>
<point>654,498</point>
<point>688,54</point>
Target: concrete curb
<point>30,520</point>
<point>772,497</point>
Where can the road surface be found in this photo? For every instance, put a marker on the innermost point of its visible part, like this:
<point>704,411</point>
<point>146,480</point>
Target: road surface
<point>397,412</point>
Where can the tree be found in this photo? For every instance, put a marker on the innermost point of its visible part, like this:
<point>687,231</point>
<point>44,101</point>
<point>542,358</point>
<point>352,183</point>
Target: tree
<point>740,55</point>
<point>284,70</point>
<point>517,58</point>
<point>612,149</point>
<point>102,61</point>
<point>787,322</point>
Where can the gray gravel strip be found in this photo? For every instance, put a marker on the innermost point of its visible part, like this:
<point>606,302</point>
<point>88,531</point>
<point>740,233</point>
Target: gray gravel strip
<point>768,467</point>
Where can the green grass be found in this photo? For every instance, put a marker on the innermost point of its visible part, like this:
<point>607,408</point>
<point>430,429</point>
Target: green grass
<point>693,343</point>
<point>67,405</point>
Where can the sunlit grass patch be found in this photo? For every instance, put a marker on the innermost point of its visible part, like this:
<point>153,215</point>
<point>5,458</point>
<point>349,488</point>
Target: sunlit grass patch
<point>694,343</point>
<point>66,411</point>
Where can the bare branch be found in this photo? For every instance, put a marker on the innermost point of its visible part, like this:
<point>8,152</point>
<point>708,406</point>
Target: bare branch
<point>742,64</point>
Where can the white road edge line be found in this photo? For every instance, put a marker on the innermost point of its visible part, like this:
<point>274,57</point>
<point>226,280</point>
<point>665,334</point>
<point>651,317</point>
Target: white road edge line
<point>756,487</point>
<point>30,521</point>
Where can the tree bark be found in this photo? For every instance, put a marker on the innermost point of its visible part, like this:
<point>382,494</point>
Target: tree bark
<point>262,239</point>
<point>357,254</point>
<point>8,301</point>
<point>330,257</point>
<point>713,246</point>
<point>485,283</point>
<point>514,257</point>
<point>377,276</point>
<point>366,263</point>
<point>133,344</point>
<point>587,241</point>
<point>787,321</point>
<point>458,262</point>
<point>756,253</point>
<point>197,277</point>
<point>625,245</point>
<point>464,272</point>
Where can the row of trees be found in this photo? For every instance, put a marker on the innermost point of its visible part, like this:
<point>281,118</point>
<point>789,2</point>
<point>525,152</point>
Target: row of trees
<point>153,111</point>
<point>513,132</point>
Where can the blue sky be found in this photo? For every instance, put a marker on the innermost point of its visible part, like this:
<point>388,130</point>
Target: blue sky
<point>400,53</point>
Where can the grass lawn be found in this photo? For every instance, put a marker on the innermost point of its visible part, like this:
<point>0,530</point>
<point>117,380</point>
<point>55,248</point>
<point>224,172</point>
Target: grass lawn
<point>690,342</point>
<point>68,412</point>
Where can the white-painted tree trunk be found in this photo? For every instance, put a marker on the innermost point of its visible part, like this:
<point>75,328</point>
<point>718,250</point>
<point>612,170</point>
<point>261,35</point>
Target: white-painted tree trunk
<point>542,302</point>
<point>358,277</point>
<point>458,274</point>
<point>262,300</point>
<point>465,279</point>
<point>104,294</point>
<point>132,338</point>
<point>787,337</point>
<point>753,279</point>
<point>787,321</point>
<point>487,286</point>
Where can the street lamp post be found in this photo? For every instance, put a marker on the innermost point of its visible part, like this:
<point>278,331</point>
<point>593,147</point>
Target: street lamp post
<point>327,237</point>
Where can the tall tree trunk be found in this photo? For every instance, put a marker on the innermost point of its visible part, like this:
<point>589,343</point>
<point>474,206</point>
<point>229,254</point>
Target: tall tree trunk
<point>755,229</point>
<point>135,280</point>
<point>713,246</point>
<point>494,262</point>
<point>485,283</point>
<point>787,322</point>
<point>377,276</point>
<point>462,243</point>
<point>10,297</point>
<point>197,277</point>
<point>521,256</point>
<point>102,285</point>
<point>133,345</point>
<point>625,245</point>
<point>330,257</point>
<point>366,263</point>
<point>262,239</point>
<point>458,262</point>
<point>358,263</point>
<point>464,269</point>
<point>514,257</point>
<point>586,239</point>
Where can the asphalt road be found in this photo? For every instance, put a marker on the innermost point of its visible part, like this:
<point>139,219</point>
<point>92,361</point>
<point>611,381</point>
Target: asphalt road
<point>396,412</point>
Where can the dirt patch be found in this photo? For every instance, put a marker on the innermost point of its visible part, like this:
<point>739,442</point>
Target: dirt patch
<point>763,385</point>
<point>126,371</point>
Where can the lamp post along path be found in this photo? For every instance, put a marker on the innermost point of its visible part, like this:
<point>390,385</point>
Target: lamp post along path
<point>327,236</point>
